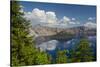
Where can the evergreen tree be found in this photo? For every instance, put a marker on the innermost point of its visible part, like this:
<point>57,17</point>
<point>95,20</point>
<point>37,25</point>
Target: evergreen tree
<point>83,52</point>
<point>23,51</point>
<point>42,58</point>
<point>22,46</point>
<point>61,56</point>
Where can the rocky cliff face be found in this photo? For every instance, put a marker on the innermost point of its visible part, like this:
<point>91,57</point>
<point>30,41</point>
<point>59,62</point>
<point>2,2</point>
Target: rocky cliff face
<point>45,33</point>
<point>49,31</point>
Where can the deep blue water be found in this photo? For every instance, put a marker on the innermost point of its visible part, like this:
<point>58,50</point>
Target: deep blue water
<point>70,44</point>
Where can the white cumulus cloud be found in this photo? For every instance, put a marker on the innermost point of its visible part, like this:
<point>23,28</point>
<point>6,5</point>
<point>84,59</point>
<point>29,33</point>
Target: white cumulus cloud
<point>65,20</point>
<point>68,21</point>
<point>73,19</point>
<point>51,17</point>
<point>91,18</point>
<point>90,24</point>
<point>38,16</point>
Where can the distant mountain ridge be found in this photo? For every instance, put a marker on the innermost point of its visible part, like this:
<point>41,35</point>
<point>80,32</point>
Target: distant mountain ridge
<point>48,31</point>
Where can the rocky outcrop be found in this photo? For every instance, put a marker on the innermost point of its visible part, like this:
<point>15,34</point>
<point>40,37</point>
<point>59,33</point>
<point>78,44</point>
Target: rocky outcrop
<point>48,31</point>
<point>45,33</point>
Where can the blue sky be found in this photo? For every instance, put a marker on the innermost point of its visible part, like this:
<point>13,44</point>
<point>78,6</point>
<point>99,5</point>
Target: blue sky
<point>81,13</point>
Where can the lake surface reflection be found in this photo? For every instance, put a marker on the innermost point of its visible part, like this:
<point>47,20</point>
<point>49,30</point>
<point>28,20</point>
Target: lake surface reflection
<point>63,44</point>
<point>51,46</point>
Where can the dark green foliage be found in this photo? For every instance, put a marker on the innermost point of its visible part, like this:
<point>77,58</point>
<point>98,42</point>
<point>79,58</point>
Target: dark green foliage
<point>83,52</point>
<point>42,58</point>
<point>61,56</point>
<point>23,49</point>
<point>21,45</point>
